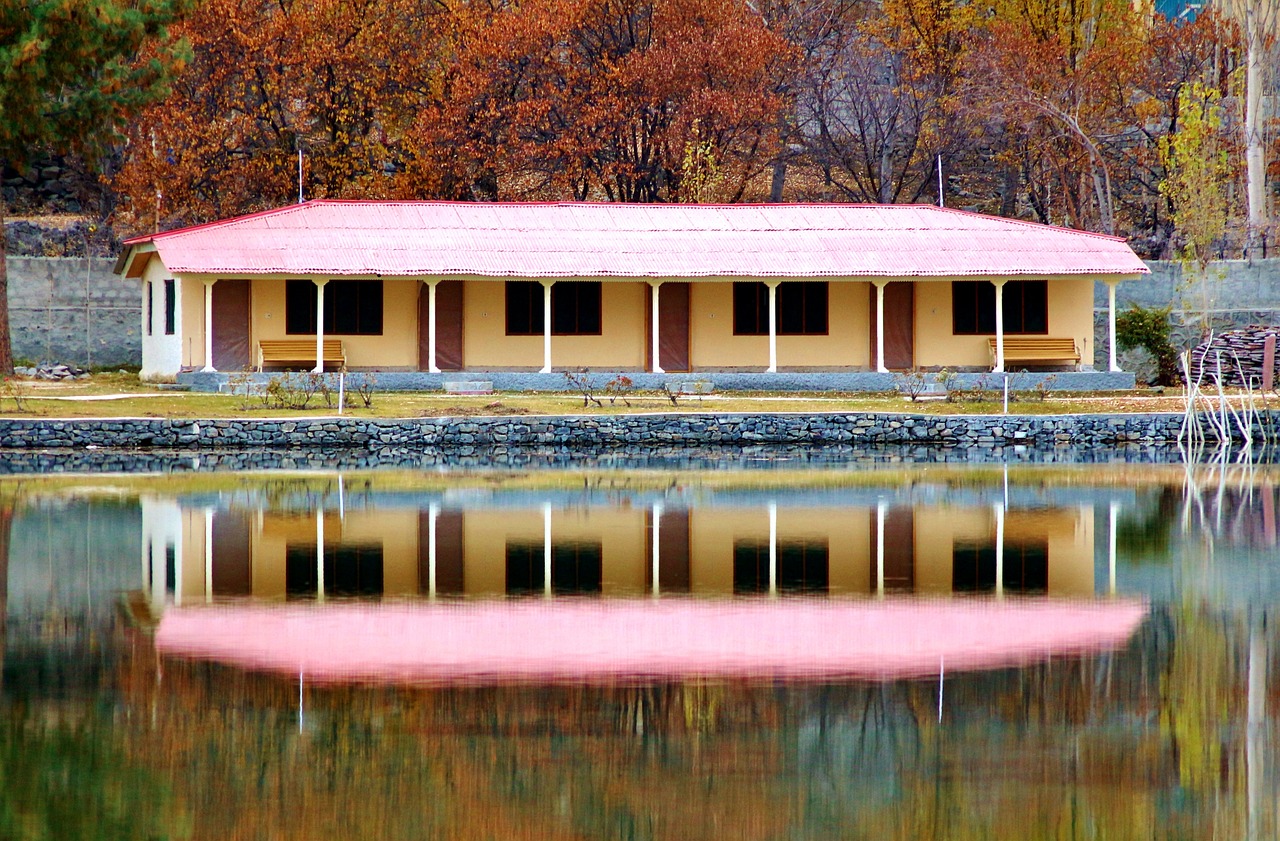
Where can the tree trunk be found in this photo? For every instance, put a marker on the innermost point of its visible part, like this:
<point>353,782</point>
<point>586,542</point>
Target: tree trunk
<point>1255,161</point>
<point>6,348</point>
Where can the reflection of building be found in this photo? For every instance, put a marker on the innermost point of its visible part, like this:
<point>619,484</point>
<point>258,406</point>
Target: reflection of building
<point>557,544</point>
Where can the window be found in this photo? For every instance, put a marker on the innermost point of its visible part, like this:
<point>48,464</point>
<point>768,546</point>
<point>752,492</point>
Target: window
<point>1026,567</point>
<point>170,308</point>
<point>973,307</point>
<point>351,307</point>
<point>575,308</point>
<point>802,309</point>
<point>148,307</point>
<point>802,567</point>
<point>577,568</point>
<point>350,569</point>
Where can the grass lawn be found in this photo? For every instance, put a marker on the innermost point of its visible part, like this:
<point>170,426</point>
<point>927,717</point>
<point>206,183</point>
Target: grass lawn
<point>124,395</point>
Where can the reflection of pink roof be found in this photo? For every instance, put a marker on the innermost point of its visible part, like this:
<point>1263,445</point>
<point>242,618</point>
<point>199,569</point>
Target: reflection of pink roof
<point>592,640</point>
<point>347,238</point>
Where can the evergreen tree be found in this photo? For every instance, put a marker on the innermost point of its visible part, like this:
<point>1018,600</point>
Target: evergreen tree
<point>71,71</point>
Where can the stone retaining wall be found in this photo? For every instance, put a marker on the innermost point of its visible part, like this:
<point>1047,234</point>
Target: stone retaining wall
<point>496,434</point>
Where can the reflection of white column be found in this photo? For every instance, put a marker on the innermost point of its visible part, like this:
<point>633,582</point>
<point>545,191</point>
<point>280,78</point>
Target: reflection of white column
<point>1000,549</point>
<point>653,297</point>
<point>208,326</point>
<point>1256,738</point>
<point>546,326</point>
<point>773,325</point>
<point>208,555</point>
<point>656,517</point>
<point>319,326</point>
<point>1111,324</point>
<point>319,554</point>
<point>880,366</point>
<point>431,326</point>
<point>773,548</point>
<point>546,549</point>
<point>342,500</point>
<point>432,514</point>
<point>882,510</point>
<point>999,285</point>
<point>1112,531</point>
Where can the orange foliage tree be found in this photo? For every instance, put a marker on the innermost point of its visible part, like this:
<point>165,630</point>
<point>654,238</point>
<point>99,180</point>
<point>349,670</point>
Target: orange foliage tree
<point>619,100</point>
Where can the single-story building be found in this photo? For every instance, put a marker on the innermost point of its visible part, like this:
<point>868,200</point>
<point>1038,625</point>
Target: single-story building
<point>449,286</point>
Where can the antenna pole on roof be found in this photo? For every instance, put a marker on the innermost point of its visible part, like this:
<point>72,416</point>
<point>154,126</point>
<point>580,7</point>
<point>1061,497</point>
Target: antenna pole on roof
<point>940,202</point>
<point>299,175</point>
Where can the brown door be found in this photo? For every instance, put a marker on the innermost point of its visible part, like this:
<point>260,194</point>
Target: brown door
<point>231,325</point>
<point>450,560</point>
<point>673,552</point>
<point>899,325</point>
<point>232,563</point>
<point>448,326</point>
<point>899,550</point>
<point>673,326</point>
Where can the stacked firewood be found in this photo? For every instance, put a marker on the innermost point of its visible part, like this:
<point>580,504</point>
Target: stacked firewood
<point>1241,354</point>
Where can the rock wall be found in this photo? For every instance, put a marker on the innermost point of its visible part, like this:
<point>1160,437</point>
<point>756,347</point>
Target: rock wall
<point>498,434</point>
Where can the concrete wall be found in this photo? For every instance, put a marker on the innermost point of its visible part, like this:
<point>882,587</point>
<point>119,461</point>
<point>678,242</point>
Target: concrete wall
<point>75,311</point>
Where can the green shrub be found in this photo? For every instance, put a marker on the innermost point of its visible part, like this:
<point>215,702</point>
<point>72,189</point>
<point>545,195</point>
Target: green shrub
<point>1149,328</point>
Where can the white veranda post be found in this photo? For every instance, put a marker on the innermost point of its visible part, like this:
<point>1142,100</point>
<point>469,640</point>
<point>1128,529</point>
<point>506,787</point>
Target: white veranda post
<point>319,369</point>
<point>1111,324</point>
<point>880,366</point>
<point>773,325</point>
<point>999,284</point>
<point>654,285</point>
<point>208,326</point>
<point>546,326</point>
<point>431,326</point>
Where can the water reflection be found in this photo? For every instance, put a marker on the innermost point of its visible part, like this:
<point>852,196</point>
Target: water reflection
<point>1166,730</point>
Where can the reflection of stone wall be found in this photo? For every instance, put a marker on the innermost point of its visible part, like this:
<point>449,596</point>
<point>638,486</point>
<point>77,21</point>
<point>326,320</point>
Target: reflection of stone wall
<point>75,311</point>
<point>1232,294</point>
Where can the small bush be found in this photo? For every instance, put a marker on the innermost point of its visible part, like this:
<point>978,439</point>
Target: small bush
<point>1149,329</point>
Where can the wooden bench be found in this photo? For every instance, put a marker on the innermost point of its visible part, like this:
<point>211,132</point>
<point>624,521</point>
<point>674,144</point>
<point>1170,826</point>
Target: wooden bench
<point>1038,350</point>
<point>299,351</point>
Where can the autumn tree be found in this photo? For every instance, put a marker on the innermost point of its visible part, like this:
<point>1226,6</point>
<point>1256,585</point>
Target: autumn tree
<point>69,76</point>
<point>334,80</point>
<point>604,99</point>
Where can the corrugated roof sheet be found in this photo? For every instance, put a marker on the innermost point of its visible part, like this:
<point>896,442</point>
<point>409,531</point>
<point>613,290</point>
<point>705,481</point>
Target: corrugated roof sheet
<point>337,238</point>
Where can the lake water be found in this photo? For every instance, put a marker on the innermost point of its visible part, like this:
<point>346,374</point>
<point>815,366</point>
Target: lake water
<point>799,650</point>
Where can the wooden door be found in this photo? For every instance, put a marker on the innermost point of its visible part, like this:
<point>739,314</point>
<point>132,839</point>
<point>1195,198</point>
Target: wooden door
<point>450,555</point>
<point>673,326</point>
<point>231,325</point>
<point>449,302</point>
<point>899,326</point>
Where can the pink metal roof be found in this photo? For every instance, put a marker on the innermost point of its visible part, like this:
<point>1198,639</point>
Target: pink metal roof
<point>595,640</point>
<point>338,238</point>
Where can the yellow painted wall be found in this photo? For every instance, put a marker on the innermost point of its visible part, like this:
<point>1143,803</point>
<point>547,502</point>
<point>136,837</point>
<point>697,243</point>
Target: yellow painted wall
<point>713,531</point>
<point>397,531</point>
<point>1070,316</point>
<point>621,344</point>
<point>713,345</point>
<point>621,534</point>
<point>191,314</point>
<point>397,347</point>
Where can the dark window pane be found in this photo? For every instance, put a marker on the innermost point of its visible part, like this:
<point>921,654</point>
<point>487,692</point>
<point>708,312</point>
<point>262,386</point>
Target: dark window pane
<point>148,306</point>
<point>750,309</point>
<point>802,308</point>
<point>170,308</point>
<point>750,567</point>
<point>575,308</point>
<point>973,306</point>
<point>524,308</point>
<point>351,307</point>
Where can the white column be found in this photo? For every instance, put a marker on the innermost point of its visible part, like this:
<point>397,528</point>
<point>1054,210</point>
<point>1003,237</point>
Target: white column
<point>773,548</point>
<point>656,561</point>
<point>653,297</point>
<point>1111,324</point>
<point>431,326</point>
<point>208,555</point>
<point>546,548</point>
<point>319,326</point>
<point>773,325</point>
<point>208,326</point>
<point>882,510</point>
<point>546,334</point>
<point>880,366</point>
<point>1112,531</point>
<point>319,554</point>
<point>999,284</point>
<point>1000,550</point>
<point>433,512</point>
